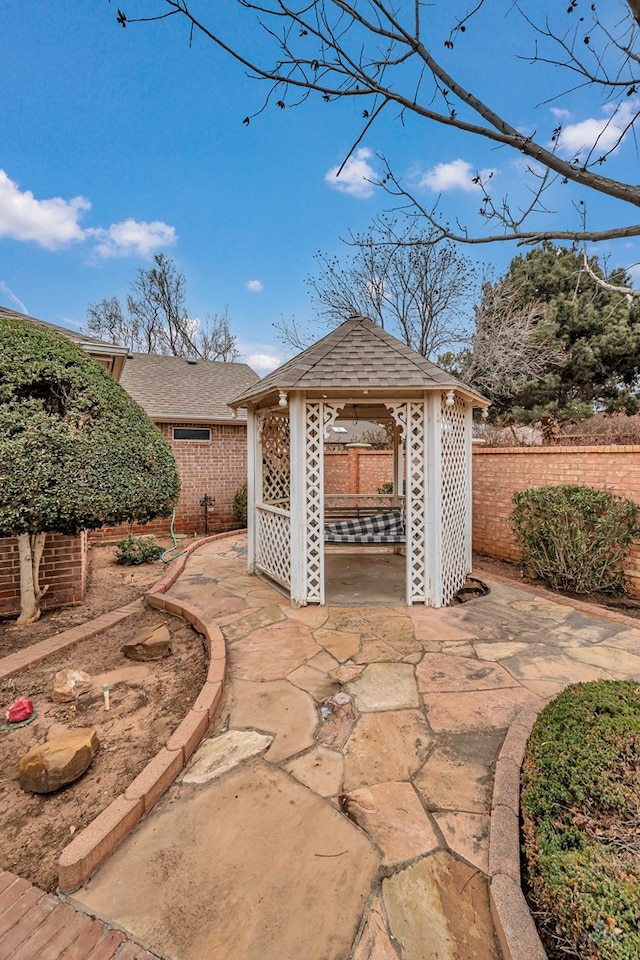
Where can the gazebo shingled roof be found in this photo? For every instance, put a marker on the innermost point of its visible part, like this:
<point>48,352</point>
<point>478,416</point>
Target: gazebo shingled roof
<point>357,355</point>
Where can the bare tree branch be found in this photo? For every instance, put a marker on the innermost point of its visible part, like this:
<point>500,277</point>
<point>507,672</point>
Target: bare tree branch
<point>625,289</point>
<point>386,54</point>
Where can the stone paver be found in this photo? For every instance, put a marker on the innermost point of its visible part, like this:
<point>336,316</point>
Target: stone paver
<point>431,918</point>
<point>345,814</point>
<point>278,708</point>
<point>320,769</point>
<point>393,815</point>
<point>385,686</point>
<point>386,746</point>
<point>217,755</point>
<point>458,775</point>
<point>284,875</point>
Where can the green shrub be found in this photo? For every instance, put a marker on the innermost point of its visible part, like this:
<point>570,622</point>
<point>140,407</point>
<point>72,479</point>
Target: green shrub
<point>240,505</point>
<point>386,487</point>
<point>580,807</point>
<point>135,550</point>
<point>575,537</point>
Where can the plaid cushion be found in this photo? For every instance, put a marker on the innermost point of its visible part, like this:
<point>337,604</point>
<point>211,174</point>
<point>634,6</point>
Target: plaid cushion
<point>381,528</point>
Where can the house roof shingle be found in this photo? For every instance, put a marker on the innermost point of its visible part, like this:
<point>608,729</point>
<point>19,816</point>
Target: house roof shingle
<point>357,355</point>
<point>174,389</point>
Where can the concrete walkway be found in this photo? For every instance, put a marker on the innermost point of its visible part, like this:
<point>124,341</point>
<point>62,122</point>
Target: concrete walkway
<point>340,811</point>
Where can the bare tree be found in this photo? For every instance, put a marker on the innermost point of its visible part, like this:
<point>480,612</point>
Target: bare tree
<point>510,345</point>
<point>396,277</point>
<point>412,58</point>
<point>157,320</point>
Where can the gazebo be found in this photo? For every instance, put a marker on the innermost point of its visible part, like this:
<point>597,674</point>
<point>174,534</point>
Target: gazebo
<point>359,371</point>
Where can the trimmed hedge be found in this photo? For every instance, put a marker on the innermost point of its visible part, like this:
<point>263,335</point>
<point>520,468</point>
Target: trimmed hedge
<point>581,817</point>
<point>574,537</point>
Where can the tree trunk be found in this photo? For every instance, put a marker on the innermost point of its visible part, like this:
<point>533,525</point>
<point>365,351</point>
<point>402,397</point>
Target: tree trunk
<point>37,549</point>
<point>30,549</point>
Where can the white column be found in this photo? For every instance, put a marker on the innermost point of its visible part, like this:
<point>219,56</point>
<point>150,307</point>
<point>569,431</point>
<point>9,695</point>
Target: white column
<point>297,457</point>
<point>468,520</point>
<point>433,540</point>
<point>254,462</point>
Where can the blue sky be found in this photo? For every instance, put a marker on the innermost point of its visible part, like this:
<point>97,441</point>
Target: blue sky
<point>117,144</point>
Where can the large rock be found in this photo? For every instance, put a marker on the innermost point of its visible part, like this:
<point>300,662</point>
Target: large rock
<point>57,762</point>
<point>69,684</point>
<point>149,646</point>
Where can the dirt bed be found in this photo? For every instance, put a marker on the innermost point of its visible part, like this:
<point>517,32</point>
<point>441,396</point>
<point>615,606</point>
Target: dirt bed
<point>109,585</point>
<point>147,702</point>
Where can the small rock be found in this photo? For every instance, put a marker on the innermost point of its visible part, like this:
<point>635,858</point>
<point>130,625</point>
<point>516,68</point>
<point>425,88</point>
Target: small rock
<point>57,762</point>
<point>149,646</point>
<point>69,684</point>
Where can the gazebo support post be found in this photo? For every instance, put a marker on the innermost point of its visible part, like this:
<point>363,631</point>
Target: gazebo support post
<point>298,538</point>
<point>398,473</point>
<point>468,426</point>
<point>253,485</point>
<point>433,466</point>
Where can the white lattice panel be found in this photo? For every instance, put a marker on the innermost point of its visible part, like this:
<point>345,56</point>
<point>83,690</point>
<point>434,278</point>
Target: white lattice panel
<point>455,496</point>
<point>314,431</point>
<point>276,474</point>
<point>273,550</point>
<point>415,440</point>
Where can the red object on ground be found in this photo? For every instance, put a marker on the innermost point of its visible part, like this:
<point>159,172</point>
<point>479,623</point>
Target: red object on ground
<point>19,710</point>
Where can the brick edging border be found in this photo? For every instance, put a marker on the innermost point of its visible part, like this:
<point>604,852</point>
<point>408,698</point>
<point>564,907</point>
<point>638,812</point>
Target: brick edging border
<point>512,918</point>
<point>91,847</point>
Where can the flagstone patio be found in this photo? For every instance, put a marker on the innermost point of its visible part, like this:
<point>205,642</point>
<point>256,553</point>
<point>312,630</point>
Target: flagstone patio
<point>341,808</point>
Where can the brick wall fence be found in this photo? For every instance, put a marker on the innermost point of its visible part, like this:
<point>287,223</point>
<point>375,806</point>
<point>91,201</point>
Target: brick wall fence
<point>357,470</point>
<point>499,472</point>
<point>216,468</point>
<point>63,571</point>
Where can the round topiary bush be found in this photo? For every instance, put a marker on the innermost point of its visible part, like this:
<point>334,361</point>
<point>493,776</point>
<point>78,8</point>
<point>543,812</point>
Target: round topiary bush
<point>576,538</point>
<point>580,809</point>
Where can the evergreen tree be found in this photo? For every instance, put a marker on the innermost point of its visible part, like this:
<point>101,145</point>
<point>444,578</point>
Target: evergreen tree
<point>592,335</point>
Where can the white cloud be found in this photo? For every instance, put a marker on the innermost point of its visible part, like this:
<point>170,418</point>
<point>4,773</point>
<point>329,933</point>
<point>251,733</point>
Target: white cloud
<point>132,238</point>
<point>456,175</point>
<point>263,363</point>
<point>600,133</point>
<point>50,223</point>
<point>254,286</point>
<point>634,273</point>
<point>357,177</point>
<point>5,289</point>
<point>55,223</point>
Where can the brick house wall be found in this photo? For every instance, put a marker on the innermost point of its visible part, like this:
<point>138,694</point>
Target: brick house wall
<point>499,472</point>
<point>63,571</point>
<point>215,467</point>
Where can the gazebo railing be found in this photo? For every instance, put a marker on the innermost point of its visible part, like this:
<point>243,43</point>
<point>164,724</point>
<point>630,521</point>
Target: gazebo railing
<point>273,551</point>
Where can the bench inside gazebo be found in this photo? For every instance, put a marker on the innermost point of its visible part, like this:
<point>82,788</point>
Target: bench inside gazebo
<point>359,371</point>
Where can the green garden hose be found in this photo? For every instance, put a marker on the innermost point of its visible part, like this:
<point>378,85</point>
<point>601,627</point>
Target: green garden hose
<point>165,556</point>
